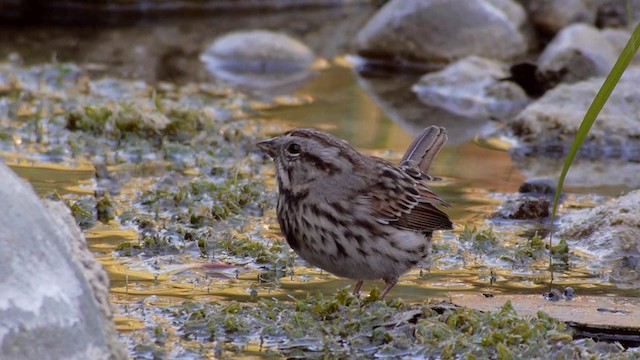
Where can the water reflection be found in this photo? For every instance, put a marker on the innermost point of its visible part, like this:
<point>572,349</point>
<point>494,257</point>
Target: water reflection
<point>392,93</point>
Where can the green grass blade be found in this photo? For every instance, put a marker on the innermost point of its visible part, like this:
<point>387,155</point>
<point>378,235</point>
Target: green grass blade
<point>591,115</point>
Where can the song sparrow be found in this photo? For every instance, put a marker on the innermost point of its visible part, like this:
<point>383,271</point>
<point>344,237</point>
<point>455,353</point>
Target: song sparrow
<point>353,215</point>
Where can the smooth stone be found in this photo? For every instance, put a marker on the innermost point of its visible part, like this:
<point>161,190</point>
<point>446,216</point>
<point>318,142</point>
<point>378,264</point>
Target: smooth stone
<point>442,31</point>
<point>473,87</point>
<point>616,13</point>
<point>618,38</point>
<point>392,93</point>
<point>551,16</point>
<point>577,52</point>
<point>54,302</point>
<point>548,125</point>
<point>258,58</point>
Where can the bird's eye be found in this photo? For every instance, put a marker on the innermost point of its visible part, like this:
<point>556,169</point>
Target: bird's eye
<point>294,149</point>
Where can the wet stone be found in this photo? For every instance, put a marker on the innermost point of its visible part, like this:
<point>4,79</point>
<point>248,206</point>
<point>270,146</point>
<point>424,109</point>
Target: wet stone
<point>474,87</point>
<point>610,233</point>
<point>440,31</point>
<point>524,208</point>
<point>538,187</point>
<point>55,298</point>
<point>576,53</point>
<point>551,16</point>
<point>616,13</point>
<point>554,295</point>
<point>259,58</point>
<point>548,125</point>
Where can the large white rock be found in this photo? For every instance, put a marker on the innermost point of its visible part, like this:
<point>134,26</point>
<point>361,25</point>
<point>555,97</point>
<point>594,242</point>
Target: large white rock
<point>442,31</point>
<point>54,294</point>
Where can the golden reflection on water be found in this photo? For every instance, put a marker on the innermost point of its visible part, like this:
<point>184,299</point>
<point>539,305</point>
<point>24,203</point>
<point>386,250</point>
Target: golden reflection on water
<point>46,177</point>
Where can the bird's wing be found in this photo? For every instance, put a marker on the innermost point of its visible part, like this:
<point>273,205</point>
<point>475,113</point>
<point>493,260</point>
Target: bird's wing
<point>401,199</point>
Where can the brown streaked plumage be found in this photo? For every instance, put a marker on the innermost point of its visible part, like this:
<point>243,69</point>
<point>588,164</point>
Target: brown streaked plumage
<point>354,215</point>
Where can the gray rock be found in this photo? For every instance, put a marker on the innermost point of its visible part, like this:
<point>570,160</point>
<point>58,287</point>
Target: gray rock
<point>542,187</point>
<point>258,58</point>
<point>548,125</point>
<point>54,302</point>
<point>524,208</point>
<point>617,13</point>
<point>618,38</point>
<point>550,16</point>
<point>532,202</point>
<point>473,87</point>
<point>442,31</point>
<point>610,233</point>
<point>578,52</point>
<point>394,96</point>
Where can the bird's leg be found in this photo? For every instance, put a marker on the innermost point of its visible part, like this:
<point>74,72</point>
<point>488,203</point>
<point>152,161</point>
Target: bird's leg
<point>358,287</point>
<point>388,284</point>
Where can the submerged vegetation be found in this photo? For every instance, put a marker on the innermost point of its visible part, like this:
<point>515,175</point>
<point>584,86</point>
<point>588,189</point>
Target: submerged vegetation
<point>345,326</point>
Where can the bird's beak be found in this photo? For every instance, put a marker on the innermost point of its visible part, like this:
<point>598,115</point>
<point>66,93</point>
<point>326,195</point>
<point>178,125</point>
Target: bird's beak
<point>268,146</point>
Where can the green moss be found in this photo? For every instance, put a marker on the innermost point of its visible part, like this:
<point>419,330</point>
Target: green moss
<point>481,240</point>
<point>561,251</point>
<point>83,211</point>
<point>105,209</point>
<point>92,119</point>
<point>534,249</point>
<point>159,334</point>
<point>344,326</point>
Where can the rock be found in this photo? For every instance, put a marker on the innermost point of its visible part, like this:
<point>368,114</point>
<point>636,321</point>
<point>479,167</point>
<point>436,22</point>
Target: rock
<point>616,13</point>
<point>578,52</point>
<point>473,87</point>
<point>610,233</point>
<point>169,51</point>
<point>258,58</point>
<point>544,187</point>
<point>618,38</point>
<point>548,125</point>
<point>392,93</point>
<point>524,208</point>
<point>55,299</point>
<point>551,16</point>
<point>583,314</point>
<point>569,293</point>
<point>442,31</point>
<point>554,295</point>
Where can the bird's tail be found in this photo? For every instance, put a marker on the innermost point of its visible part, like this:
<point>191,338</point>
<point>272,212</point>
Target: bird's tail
<point>425,148</point>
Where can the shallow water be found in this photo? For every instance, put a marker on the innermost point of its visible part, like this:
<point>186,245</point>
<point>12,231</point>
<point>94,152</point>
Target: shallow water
<point>477,173</point>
